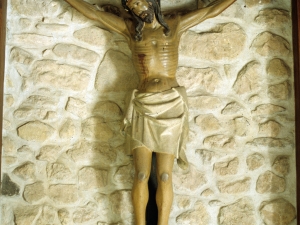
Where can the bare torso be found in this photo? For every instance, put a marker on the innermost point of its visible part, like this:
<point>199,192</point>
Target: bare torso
<point>155,58</point>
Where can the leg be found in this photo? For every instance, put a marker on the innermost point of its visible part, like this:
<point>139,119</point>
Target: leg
<point>140,193</point>
<point>164,194</point>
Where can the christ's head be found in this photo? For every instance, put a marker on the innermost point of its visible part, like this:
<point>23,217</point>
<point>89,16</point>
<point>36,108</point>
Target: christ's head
<point>141,8</point>
<point>144,11</point>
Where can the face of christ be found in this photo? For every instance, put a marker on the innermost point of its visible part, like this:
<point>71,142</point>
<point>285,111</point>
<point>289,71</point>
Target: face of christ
<point>142,9</point>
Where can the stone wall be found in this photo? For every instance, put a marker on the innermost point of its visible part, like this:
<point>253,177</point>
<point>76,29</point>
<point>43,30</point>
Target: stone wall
<point>66,83</point>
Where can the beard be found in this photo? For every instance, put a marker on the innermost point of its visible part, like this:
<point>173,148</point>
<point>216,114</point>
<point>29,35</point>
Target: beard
<point>147,16</point>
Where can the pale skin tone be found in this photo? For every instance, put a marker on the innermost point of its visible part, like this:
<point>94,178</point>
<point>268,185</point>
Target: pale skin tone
<point>155,58</point>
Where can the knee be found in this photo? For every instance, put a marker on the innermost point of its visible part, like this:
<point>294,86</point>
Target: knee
<point>142,176</point>
<point>164,177</point>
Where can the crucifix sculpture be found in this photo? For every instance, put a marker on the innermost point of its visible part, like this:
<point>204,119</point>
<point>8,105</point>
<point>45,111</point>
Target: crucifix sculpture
<point>157,122</point>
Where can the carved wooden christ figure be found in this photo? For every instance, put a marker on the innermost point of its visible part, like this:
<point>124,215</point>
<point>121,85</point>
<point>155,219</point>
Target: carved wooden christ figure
<point>158,119</point>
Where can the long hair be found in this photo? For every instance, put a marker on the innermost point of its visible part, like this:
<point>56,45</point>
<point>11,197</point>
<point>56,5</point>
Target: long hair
<point>140,23</point>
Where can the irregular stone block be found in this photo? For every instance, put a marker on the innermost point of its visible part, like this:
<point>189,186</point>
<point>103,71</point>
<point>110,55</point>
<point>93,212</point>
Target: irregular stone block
<point>49,73</point>
<point>76,107</point>
<point>50,115</point>
<point>235,187</point>
<point>26,171</point>
<point>273,17</point>
<point>282,165</point>
<point>207,79</point>
<point>67,130</point>
<point>269,129</point>
<point>208,123</point>
<point>116,77</point>
<point>35,131</point>
<point>64,193</point>
<point>91,178</point>
<point>110,111</point>
<point>6,124</point>
<point>125,174</point>
<point>64,217</point>
<point>225,41</point>
<point>232,108</point>
<point>8,146</point>
<point>206,155</point>
<point>227,168</point>
<point>183,202</point>
<point>204,102</point>
<point>94,36</point>
<point>268,44</point>
<point>30,112</point>
<point>248,79</point>
<point>9,100</point>
<point>267,109</point>
<point>25,214</point>
<point>240,126</point>
<point>104,204</point>
<point>48,216</point>
<point>33,40</point>
<point>34,192</point>
<point>9,160</point>
<point>279,91</point>
<point>278,68</point>
<point>207,193</point>
<point>270,142</point>
<point>50,28</point>
<point>39,101</point>
<point>268,182</point>
<point>121,203</point>
<point>92,153</point>
<point>278,211</point>
<point>255,161</point>
<point>73,52</point>
<point>34,8</point>
<point>49,153</point>
<point>8,187</point>
<point>287,119</point>
<point>219,141</point>
<point>103,223</point>
<point>186,181</point>
<point>58,171</point>
<point>85,214</point>
<point>96,128</point>
<point>197,216</point>
<point>240,212</point>
<point>21,56</point>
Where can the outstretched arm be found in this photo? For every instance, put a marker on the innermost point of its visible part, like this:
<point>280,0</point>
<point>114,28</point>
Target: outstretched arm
<point>193,18</point>
<point>108,20</point>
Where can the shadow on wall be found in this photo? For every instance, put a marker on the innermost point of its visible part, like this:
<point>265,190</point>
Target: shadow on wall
<point>66,160</point>
<point>106,172</point>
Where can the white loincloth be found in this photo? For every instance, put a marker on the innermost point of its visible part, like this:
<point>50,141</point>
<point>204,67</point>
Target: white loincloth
<point>159,122</point>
